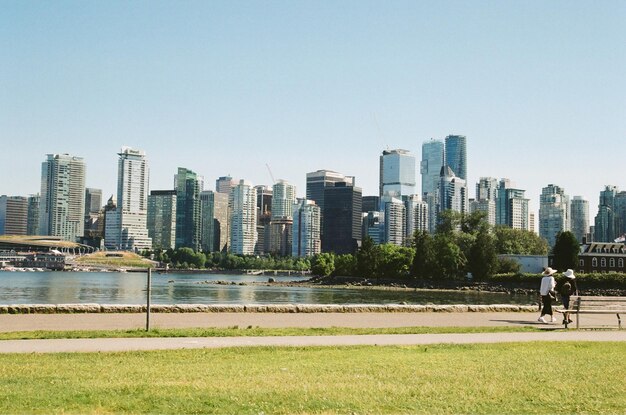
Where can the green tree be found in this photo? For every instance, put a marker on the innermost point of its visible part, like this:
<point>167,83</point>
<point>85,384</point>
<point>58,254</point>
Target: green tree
<point>483,259</point>
<point>449,262</point>
<point>448,222</point>
<point>345,265</point>
<point>395,261</point>
<point>565,251</point>
<point>323,264</point>
<point>519,242</point>
<point>367,259</point>
<point>423,266</point>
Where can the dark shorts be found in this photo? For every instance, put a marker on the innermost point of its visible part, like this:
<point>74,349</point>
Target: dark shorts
<point>565,301</point>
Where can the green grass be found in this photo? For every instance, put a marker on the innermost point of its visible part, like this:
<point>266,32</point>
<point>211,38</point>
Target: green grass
<point>501,378</point>
<point>257,331</point>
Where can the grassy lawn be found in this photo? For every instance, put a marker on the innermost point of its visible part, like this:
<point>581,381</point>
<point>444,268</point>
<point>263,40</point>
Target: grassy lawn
<point>127,260</point>
<point>501,378</point>
<point>256,331</point>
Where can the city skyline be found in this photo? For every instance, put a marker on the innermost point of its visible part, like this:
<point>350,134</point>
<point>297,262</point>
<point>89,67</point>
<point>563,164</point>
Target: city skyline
<point>223,89</point>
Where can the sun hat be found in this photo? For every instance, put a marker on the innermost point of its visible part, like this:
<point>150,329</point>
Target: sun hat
<point>549,271</point>
<point>569,274</point>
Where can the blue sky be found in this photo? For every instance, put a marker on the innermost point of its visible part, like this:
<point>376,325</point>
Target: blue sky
<point>227,87</point>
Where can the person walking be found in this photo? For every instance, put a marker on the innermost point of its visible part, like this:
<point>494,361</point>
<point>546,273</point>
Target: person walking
<point>548,283</point>
<point>568,289</point>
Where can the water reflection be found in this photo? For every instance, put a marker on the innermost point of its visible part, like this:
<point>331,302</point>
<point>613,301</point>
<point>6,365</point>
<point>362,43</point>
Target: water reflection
<point>130,288</point>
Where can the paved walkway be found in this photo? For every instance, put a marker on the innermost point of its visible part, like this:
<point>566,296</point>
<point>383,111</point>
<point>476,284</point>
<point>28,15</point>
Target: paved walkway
<point>126,321</point>
<point>32,322</point>
<point>119,345</point>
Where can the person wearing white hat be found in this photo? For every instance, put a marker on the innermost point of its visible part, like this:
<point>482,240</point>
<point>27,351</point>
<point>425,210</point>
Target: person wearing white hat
<point>568,289</point>
<point>548,283</point>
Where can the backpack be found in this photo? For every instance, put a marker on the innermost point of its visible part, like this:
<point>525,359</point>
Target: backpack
<point>566,289</point>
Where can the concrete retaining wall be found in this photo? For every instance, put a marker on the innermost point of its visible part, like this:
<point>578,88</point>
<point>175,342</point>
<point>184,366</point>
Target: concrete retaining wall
<point>259,308</point>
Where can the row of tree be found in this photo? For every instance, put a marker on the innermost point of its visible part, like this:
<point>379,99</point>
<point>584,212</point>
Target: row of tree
<point>462,244</point>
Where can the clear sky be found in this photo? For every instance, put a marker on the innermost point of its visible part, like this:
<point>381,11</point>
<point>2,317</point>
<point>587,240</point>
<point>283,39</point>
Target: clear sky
<point>226,87</point>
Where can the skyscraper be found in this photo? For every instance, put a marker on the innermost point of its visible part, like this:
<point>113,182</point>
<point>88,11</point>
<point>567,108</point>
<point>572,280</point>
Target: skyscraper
<point>93,200</point>
<point>126,225</point>
<point>13,215</point>
<point>456,155</point>
<point>397,173</point>
<point>215,229</point>
<point>224,184</point>
<point>188,188</point>
<point>161,220</point>
<point>62,205</point>
<point>243,231</point>
<point>512,206</point>
<point>395,220</point>
<point>32,228</point>
<point>306,229</point>
<point>342,223</point>
<point>607,221</point>
<point>554,213</point>
<point>318,181</point>
<point>431,164</point>
<point>416,216</point>
<point>580,218</point>
<point>452,192</point>
<point>486,197</point>
<point>283,198</point>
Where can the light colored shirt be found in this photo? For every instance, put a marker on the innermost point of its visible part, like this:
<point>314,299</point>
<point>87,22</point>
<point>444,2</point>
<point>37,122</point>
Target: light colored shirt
<point>547,284</point>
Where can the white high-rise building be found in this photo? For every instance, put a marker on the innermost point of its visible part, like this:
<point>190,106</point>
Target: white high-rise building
<point>126,226</point>
<point>416,216</point>
<point>306,236</point>
<point>243,231</point>
<point>452,192</point>
<point>62,197</point>
<point>554,213</point>
<point>283,199</point>
<point>395,220</point>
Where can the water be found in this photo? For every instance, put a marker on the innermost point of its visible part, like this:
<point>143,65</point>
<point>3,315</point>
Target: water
<point>186,288</point>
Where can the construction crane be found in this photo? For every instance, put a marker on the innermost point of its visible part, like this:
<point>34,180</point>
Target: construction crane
<point>270,171</point>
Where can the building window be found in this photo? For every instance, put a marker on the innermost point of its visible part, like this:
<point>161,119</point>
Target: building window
<point>612,262</point>
<point>603,262</point>
<point>620,262</point>
<point>581,262</point>
<point>594,262</point>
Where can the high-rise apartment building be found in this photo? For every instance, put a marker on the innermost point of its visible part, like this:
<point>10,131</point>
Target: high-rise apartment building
<point>580,218</point>
<point>416,216</point>
<point>32,227</point>
<point>512,207</point>
<point>486,197</point>
<point>161,222</point>
<point>430,166</point>
<point>342,223</point>
<point>188,188</point>
<point>280,233</point>
<point>283,198</point>
<point>243,224</point>
<point>452,192</point>
<point>62,200</point>
<point>306,229</point>
<point>126,226</point>
<point>215,230</point>
<point>395,220</point>
<point>13,215</point>
<point>554,213</point>
<point>456,155</point>
<point>397,173</point>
